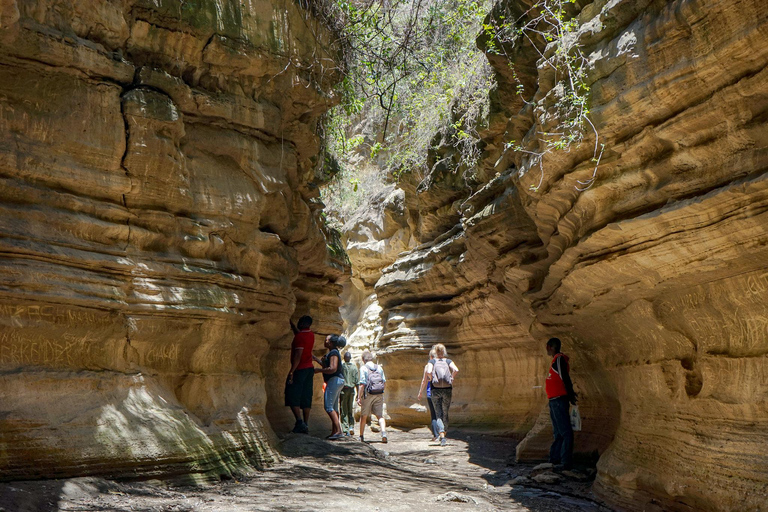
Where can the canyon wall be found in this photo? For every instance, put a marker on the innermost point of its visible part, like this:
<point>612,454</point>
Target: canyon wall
<point>654,273</point>
<point>157,231</point>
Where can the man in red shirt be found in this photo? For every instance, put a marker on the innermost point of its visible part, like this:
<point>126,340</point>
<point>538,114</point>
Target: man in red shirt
<point>298,386</point>
<point>560,392</point>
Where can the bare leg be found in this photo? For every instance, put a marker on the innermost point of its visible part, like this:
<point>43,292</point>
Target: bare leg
<point>363,419</point>
<point>297,413</point>
<point>306,414</point>
<point>336,429</point>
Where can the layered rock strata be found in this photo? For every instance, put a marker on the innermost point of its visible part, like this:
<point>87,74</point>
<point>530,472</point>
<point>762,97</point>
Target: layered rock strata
<point>654,276</point>
<point>156,230</point>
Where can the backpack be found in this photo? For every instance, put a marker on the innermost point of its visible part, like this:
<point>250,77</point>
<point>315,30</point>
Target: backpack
<point>442,377</point>
<point>376,382</point>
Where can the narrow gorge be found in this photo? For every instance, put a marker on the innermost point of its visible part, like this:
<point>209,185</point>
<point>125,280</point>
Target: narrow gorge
<point>161,222</point>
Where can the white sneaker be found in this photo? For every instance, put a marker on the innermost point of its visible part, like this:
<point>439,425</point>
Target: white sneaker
<point>443,441</point>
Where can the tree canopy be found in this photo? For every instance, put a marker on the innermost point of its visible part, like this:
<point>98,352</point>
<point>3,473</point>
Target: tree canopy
<point>413,67</point>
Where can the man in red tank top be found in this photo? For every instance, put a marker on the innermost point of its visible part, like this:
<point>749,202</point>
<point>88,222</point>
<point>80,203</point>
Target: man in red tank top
<point>299,384</point>
<point>560,392</point>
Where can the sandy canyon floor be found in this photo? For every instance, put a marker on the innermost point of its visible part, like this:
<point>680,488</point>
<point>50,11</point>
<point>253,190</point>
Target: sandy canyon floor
<point>475,472</point>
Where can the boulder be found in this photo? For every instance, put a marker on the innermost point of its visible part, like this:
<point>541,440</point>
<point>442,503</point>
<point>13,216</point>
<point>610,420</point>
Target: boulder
<point>547,478</point>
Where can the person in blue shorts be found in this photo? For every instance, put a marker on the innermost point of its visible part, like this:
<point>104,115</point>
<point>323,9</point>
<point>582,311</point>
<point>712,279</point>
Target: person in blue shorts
<point>333,375</point>
<point>426,383</point>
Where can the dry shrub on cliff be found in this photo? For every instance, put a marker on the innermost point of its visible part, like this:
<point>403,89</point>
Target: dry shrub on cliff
<point>349,190</point>
<point>550,28</point>
<point>413,70</point>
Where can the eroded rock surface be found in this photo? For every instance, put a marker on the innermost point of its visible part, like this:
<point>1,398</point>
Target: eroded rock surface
<point>655,276</point>
<point>157,230</point>
<point>373,238</point>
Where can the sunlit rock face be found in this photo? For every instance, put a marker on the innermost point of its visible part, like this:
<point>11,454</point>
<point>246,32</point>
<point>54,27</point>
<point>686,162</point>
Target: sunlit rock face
<point>655,277</point>
<point>377,234</point>
<point>373,239</point>
<point>157,231</point>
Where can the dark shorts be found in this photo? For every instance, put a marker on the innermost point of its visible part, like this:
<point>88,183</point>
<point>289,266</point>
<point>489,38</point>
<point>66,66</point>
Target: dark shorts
<point>299,392</point>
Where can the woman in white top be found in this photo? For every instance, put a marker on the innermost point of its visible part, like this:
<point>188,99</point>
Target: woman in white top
<point>441,371</point>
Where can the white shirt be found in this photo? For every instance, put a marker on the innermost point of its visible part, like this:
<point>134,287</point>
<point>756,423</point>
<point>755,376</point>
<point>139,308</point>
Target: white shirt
<point>370,365</point>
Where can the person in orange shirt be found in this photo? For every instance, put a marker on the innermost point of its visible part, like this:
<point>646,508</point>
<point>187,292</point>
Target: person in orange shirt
<point>560,392</point>
<point>299,384</point>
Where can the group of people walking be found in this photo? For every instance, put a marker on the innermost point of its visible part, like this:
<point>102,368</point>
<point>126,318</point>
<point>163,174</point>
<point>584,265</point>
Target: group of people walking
<point>342,381</point>
<point>345,385</point>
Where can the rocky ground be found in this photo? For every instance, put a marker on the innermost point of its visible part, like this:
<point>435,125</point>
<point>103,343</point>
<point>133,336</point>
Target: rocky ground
<point>475,472</point>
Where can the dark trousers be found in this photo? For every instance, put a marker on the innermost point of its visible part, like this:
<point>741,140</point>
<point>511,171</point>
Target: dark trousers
<point>561,451</point>
<point>441,400</point>
<point>433,418</point>
<point>347,409</point>
<point>299,392</point>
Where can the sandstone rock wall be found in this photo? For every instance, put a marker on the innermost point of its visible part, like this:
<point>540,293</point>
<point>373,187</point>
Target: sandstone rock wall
<point>654,277</point>
<point>156,230</point>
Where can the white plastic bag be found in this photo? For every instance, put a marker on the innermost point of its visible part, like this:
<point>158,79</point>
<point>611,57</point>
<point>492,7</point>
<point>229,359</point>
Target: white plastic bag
<point>575,418</point>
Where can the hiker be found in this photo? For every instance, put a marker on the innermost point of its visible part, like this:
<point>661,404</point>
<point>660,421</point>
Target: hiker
<point>560,392</point>
<point>347,399</point>
<point>298,385</point>
<point>370,394</point>
<point>441,372</point>
<point>426,383</point>
<point>334,380</point>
